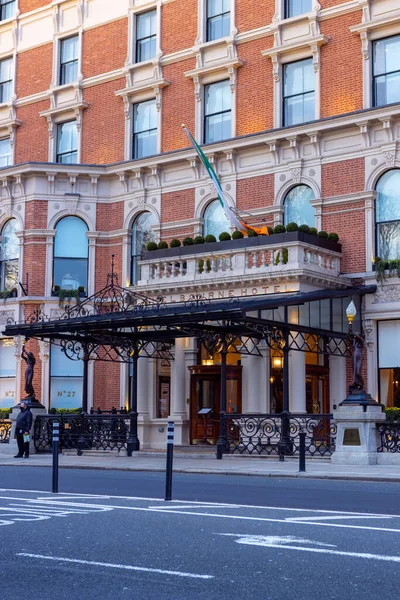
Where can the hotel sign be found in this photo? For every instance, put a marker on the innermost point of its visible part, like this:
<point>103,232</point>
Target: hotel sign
<point>235,292</point>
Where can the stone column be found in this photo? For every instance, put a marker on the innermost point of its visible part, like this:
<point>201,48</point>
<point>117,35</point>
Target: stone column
<point>144,398</point>
<point>178,412</point>
<point>297,381</point>
<point>337,380</point>
<point>251,383</point>
<point>44,353</point>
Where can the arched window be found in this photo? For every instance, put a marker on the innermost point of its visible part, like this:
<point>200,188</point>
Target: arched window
<point>215,220</point>
<point>9,256</point>
<point>142,234</point>
<point>387,215</point>
<point>70,265</point>
<point>297,206</point>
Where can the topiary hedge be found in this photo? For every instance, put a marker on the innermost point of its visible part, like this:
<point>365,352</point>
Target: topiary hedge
<point>188,241</point>
<point>237,235</point>
<point>224,236</point>
<point>162,245</point>
<point>280,229</point>
<point>292,227</point>
<point>210,238</point>
<point>199,239</point>
<point>175,243</point>
<point>150,247</point>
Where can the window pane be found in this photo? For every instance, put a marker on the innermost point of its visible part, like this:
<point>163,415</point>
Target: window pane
<point>70,273</point>
<point>69,49</point>
<point>71,240</point>
<point>218,98</point>
<point>142,232</point>
<point>218,127</point>
<point>387,55</point>
<point>146,49</point>
<point>388,196</point>
<point>62,366</point>
<point>218,27</point>
<point>9,241</point>
<point>67,137</point>
<point>388,240</point>
<point>146,24</point>
<point>145,116</point>
<point>215,220</point>
<point>7,358</point>
<point>7,9</point>
<point>297,7</point>
<point>145,144</point>
<point>298,208</point>
<point>5,152</point>
<point>389,344</point>
<point>66,392</point>
<point>6,69</point>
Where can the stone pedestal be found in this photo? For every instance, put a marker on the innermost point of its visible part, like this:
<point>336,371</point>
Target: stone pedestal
<point>357,435</point>
<point>12,447</point>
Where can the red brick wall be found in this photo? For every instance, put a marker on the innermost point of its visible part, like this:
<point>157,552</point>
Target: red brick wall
<point>178,32</point>
<point>105,48</point>
<point>35,247</point>
<point>251,15</point>
<point>32,136</point>
<point>34,70</point>
<point>255,89</point>
<point>28,5</point>
<point>108,219</point>
<point>341,66</point>
<point>178,105</point>
<point>344,177</point>
<point>255,192</point>
<point>103,129</point>
<point>176,206</point>
<point>348,221</point>
<point>106,393</point>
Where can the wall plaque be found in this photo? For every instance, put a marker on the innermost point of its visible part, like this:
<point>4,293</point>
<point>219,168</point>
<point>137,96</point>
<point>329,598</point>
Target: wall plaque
<point>351,437</point>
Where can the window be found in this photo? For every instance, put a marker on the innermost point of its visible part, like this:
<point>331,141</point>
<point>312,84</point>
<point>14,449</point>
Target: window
<point>217,112</point>
<point>9,256</point>
<point>5,152</point>
<point>144,129</point>
<point>297,206</point>
<point>386,71</point>
<point>7,373</point>
<point>389,363</point>
<point>70,265</point>
<point>7,9</point>
<point>6,67</point>
<point>69,59</point>
<point>142,234</point>
<point>387,215</point>
<point>298,92</point>
<point>218,19</point>
<point>293,8</point>
<point>66,380</point>
<point>67,143</point>
<point>146,35</point>
<point>215,220</point>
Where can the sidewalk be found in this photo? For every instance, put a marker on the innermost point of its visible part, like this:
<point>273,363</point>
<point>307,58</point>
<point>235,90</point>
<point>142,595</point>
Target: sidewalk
<point>208,464</point>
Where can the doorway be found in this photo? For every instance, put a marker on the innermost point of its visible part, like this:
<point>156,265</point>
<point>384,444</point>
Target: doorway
<point>205,392</point>
<point>317,390</point>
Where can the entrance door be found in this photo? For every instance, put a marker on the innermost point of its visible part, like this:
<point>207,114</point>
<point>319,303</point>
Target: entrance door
<point>317,390</point>
<point>205,392</point>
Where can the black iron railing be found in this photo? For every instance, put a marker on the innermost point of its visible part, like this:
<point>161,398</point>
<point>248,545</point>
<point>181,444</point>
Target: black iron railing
<point>276,434</point>
<point>104,432</point>
<point>5,430</point>
<point>389,434</point>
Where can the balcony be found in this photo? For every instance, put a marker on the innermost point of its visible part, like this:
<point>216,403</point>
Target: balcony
<point>249,266</point>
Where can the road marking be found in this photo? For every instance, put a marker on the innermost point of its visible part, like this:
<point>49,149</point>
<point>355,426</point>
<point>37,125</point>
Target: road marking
<point>260,540</point>
<point>337,517</point>
<point>116,566</point>
<point>272,540</point>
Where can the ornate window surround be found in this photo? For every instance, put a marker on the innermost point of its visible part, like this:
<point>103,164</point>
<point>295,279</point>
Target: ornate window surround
<point>371,29</point>
<point>202,22</point>
<point>303,46</point>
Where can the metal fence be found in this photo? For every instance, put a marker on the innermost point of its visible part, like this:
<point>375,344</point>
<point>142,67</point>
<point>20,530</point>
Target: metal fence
<point>5,430</point>
<point>268,434</point>
<point>104,432</point>
<point>389,434</point>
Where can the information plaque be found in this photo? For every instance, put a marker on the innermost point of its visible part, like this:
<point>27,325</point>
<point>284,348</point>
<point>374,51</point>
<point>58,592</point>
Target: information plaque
<point>351,437</point>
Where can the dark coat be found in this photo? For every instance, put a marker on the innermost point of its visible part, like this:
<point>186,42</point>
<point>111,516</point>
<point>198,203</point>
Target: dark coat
<point>24,421</point>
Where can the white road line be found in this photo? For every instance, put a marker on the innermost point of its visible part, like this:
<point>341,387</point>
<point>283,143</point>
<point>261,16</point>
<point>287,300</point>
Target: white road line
<point>330,517</point>
<point>252,540</point>
<point>116,566</point>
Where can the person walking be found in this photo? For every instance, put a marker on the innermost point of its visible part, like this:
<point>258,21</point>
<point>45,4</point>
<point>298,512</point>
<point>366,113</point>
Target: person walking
<point>22,429</point>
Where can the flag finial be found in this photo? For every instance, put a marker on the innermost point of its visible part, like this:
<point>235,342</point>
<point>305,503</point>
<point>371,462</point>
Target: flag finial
<point>183,125</point>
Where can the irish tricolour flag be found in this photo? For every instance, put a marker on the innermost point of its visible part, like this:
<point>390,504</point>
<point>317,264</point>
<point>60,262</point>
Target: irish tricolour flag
<point>234,221</point>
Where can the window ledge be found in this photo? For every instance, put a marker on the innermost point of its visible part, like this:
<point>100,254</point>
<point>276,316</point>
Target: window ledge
<point>392,18</point>
<point>307,42</point>
<point>138,91</point>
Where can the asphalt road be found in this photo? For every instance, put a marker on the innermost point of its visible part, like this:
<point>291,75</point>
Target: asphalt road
<point>57,547</point>
<point>380,497</point>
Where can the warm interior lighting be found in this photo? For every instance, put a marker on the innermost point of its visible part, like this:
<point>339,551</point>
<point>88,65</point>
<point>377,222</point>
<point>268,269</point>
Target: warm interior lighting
<point>277,362</point>
<point>207,362</point>
<point>272,379</point>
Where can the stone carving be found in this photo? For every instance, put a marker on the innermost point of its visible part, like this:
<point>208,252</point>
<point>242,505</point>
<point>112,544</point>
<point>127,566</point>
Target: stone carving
<point>374,161</point>
<point>390,157</point>
<point>6,317</point>
<point>387,293</point>
<point>282,177</point>
<point>296,173</point>
<point>311,172</point>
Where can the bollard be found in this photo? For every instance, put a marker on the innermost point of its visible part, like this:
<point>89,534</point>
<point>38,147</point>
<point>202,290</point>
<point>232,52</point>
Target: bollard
<point>170,453</point>
<point>56,434</point>
<point>302,455</point>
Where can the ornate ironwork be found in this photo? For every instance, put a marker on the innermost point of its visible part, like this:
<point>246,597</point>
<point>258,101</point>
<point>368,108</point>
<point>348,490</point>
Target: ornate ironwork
<point>5,430</point>
<point>263,434</point>
<point>79,432</point>
<point>389,434</point>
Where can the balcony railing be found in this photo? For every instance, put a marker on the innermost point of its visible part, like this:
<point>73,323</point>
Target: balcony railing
<point>199,266</point>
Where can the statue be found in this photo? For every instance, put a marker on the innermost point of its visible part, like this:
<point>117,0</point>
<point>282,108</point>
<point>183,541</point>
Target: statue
<point>30,360</point>
<point>358,343</point>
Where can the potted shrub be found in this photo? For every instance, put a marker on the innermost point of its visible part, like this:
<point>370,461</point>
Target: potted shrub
<point>151,246</point>
<point>292,227</point>
<point>199,239</point>
<point>188,241</point>
<point>306,229</point>
<point>280,229</point>
<point>237,235</point>
<point>162,245</point>
<point>175,243</point>
<point>209,239</point>
<point>224,236</point>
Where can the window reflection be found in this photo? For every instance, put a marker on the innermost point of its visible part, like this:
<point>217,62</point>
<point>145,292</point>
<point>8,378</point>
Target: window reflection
<point>142,234</point>
<point>9,256</point>
<point>388,215</point>
<point>298,208</point>
<point>70,254</point>
<point>215,220</point>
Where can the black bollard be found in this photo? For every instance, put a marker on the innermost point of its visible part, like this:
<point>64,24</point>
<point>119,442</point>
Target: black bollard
<point>302,455</point>
<point>56,434</point>
<point>170,453</point>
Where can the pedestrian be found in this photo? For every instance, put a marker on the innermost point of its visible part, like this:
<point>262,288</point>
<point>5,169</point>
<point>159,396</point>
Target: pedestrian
<point>22,429</point>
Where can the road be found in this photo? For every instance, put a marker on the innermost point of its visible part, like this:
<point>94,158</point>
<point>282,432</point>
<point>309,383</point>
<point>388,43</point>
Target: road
<point>114,547</point>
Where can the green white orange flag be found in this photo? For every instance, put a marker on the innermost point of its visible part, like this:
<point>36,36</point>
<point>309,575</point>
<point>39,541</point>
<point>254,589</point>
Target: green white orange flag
<point>230,215</point>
